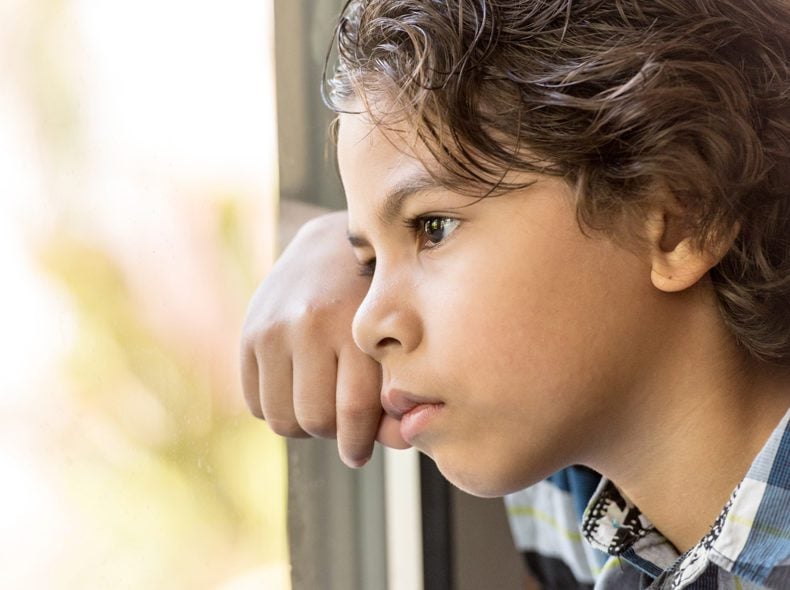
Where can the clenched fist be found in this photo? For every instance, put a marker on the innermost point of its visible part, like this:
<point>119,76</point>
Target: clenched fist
<point>300,368</point>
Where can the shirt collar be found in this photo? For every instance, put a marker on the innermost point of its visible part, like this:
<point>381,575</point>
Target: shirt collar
<point>750,537</point>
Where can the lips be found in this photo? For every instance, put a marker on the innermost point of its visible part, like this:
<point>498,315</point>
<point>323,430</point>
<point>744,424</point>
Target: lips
<point>415,413</point>
<point>397,403</point>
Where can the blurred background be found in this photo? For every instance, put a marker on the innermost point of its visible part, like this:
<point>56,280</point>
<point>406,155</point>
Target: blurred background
<point>138,174</point>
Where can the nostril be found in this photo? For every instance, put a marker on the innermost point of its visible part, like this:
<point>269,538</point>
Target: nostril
<point>384,342</point>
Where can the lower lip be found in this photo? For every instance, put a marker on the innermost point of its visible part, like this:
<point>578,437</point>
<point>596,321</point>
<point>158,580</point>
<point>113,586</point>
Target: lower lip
<point>416,420</point>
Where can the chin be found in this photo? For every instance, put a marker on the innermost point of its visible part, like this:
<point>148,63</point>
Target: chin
<point>488,482</point>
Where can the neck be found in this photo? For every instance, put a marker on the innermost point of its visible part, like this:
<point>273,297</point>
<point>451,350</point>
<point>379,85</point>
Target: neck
<point>689,433</point>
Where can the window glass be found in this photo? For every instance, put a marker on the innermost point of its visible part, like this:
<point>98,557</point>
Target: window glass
<point>138,168</point>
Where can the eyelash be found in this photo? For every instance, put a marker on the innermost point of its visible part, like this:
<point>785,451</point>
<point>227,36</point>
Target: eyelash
<point>416,225</point>
<point>367,268</point>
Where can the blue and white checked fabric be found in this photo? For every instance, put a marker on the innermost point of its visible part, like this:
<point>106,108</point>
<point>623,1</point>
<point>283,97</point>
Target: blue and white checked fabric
<point>748,547</point>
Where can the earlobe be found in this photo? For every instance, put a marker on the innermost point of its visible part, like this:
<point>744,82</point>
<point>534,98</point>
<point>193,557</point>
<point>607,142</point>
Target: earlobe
<point>681,267</point>
<point>677,261</point>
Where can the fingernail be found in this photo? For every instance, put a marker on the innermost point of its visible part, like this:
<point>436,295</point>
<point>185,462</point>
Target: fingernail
<point>355,463</point>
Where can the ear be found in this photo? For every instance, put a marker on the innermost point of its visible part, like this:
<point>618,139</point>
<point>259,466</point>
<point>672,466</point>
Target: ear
<point>677,262</point>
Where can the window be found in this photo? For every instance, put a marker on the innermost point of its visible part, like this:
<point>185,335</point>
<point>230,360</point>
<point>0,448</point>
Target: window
<point>137,157</point>
<point>396,524</point>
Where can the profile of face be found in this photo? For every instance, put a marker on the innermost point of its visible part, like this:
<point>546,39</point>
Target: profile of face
<point>511,342</point>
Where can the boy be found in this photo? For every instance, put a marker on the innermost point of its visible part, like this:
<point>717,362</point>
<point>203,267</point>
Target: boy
<point>573,217</point>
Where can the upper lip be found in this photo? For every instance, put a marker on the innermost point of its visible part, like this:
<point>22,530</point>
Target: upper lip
<point>397,402</point>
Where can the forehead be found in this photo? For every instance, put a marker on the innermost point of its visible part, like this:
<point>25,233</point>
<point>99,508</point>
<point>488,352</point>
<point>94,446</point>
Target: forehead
<point>373,160</point>
<point>374,157</point>
<point>388,147</point>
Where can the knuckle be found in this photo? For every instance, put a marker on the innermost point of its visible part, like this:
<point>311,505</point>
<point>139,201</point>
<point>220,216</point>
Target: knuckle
<point>254,407</point>
<point>271,338</point>
<point>357,409</point>
<point>265,336</point>
<point>285,428</point>
<point>318,426</point>
<point>311,316</point>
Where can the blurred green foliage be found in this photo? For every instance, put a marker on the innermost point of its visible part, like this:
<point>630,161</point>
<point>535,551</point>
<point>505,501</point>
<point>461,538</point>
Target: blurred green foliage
<point>176,487</point>
<point>166,480</point>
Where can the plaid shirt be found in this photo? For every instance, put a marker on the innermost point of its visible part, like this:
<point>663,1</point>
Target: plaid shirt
<point>747,548</point>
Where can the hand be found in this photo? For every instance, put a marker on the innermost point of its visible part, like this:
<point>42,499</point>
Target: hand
<point>300,368</point>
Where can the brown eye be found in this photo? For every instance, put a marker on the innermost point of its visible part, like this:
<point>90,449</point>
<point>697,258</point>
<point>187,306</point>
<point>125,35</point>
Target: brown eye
<point>436,229</point>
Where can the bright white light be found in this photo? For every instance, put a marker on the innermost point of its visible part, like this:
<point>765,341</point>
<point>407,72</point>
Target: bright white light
<point>175,101</point>
<point>181,86</point>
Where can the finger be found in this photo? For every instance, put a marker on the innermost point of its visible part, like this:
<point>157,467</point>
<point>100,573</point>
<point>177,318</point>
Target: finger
<point>249,380</point>
<point>389,433</point>
<point>314,385</point>
<point>358,405</point>
<point>276,394</point>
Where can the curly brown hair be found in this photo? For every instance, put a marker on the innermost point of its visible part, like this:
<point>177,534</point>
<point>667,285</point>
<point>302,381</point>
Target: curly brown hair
<point>613,96</point>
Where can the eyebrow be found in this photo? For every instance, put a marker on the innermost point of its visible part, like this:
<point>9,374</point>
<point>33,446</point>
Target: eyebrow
<point>395,200</point>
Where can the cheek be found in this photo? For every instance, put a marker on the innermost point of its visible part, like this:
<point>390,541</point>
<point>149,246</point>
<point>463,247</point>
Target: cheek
<point>502,313</point>
<point>553,325</point>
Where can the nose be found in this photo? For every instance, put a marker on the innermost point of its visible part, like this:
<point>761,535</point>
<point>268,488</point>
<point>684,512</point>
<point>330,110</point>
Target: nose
<point>387,319</point>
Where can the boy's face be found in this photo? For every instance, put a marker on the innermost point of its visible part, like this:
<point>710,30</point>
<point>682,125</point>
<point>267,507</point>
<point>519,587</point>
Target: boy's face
<point>524,337</point>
